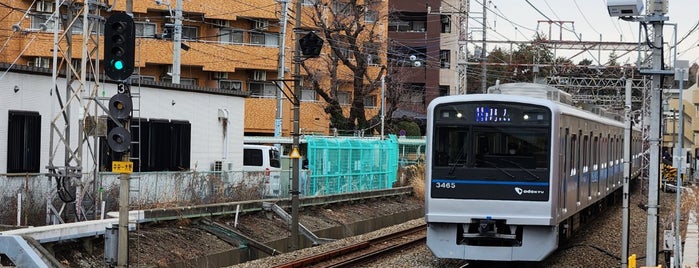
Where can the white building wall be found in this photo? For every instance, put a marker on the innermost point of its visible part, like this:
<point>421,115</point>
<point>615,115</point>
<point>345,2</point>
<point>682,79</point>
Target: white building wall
<point>200,109</point>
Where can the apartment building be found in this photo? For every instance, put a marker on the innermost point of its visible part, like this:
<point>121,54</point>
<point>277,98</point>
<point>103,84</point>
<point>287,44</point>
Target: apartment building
<point>226,45</point>
<point>423,49</point>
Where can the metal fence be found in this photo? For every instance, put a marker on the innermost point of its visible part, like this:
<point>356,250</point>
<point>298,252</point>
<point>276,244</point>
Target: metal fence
<point>346,164</point>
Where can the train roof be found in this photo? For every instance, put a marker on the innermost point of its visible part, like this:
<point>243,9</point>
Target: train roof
<point>532,90</point>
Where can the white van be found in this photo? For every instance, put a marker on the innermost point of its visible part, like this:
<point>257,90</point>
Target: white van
<point>263,162</point>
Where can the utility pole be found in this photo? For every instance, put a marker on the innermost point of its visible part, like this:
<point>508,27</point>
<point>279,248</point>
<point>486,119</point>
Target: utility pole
<point>296,163</point>
<point>177,44</point>
<point>655,16</point>
<point>484,67</point>
<point>462,57</point>
<point>280,71</point>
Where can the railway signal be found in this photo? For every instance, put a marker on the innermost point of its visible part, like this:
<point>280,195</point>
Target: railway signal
<point>120,108</point>
<point>119,45</point>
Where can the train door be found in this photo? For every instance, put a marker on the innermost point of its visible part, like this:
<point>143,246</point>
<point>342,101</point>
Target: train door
<point>564,153</point>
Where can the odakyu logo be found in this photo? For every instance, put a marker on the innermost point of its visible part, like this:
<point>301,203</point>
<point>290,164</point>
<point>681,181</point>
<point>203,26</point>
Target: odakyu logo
<point>521,191</point>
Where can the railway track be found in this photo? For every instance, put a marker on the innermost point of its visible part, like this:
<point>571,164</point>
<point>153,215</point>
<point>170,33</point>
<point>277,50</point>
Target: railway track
<point>364,251</point>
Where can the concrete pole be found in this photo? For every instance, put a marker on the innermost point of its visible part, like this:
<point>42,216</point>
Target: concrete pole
<point>177,44</point>
<point>654,142</point>
<point>280,72</point>
<point>296,164</point>
<point>680,66</point>
<point>627,175</point>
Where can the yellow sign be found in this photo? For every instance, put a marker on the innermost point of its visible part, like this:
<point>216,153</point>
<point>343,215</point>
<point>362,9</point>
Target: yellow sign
<point>122,167</point>
<point>294,154</point>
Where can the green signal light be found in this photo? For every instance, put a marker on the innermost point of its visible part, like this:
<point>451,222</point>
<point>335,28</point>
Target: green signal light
<point>118,65</point>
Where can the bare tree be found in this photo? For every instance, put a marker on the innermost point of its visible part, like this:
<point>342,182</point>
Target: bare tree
<point>352,32</point>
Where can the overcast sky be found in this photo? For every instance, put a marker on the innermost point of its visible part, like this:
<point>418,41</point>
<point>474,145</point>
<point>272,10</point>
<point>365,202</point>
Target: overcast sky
<point>590,19</point>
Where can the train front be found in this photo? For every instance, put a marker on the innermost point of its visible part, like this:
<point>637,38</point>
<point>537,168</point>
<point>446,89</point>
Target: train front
<point>488,185</point>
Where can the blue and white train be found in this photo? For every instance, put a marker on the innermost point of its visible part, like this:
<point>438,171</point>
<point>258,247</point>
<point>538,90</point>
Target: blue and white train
<point>507,175</point>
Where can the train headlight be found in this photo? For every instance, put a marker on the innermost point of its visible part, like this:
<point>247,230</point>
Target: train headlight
<point>525,117</point>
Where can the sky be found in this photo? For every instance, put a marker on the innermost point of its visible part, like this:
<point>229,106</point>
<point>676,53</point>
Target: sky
<point>590,19</point>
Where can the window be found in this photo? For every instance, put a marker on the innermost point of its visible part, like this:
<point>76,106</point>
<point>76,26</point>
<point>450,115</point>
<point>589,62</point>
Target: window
<point>42,22</point>
<point>138,79</point>
<point>190,33</point>
<point>164,145</point>
<point>271,39</point>
<point>309,2</point>
<point>262,89</point>
<point>342,53</point>
<point>443,90</point>
<point>341,8</point>
<point>372,52</point>
<point>231,36</point>
<point>446,23</point>
<point>40,62</point>
<point>257,38</point>
<point>408,22</point>
<point>343,97</point>
<point>230,84</point>
<point>23,141</point>
<point>183,81</point>
<point>370,16</point>
<point>252,157</point>
<point>444,59</point>
<point>145,29</point>
<point>370,101</point>
<point>308,95</point>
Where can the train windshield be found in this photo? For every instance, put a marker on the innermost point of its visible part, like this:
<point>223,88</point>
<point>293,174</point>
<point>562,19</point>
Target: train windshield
<point>490,145</point>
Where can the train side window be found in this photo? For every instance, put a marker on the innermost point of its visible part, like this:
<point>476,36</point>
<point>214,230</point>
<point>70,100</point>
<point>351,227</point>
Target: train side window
<point>603,153</point>
<point>595,153</point>
<point>573,154</point>
<point>586,153</point>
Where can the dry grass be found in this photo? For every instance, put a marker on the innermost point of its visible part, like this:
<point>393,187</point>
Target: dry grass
<point>416,177</point>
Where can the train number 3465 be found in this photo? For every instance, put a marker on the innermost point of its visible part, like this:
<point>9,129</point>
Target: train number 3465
<point>445,185</point>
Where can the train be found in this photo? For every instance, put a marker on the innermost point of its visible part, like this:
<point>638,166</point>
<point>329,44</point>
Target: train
<point>509,176</point>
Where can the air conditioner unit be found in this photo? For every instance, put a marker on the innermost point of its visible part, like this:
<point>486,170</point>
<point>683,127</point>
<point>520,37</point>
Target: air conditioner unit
<point>220,165</point>
<point>43,6</point>
<point>222,23</point>
<point>217,166</point>
<point>258,76</point>
<point>219,75</point>
<point>261,24</point>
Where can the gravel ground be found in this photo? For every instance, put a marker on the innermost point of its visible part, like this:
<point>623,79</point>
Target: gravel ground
<point>597,245</point>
